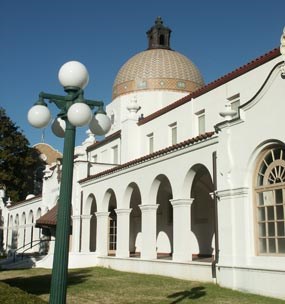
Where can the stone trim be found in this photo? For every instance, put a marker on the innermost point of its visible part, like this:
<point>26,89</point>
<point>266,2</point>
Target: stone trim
<point>242,192</point>
<point>180,202</point>
<point>169,84</point>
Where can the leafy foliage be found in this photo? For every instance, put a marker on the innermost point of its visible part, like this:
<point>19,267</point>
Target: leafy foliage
<point>20,165</point>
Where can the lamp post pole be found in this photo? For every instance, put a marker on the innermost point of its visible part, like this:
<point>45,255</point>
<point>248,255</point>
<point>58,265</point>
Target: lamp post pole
<point>75,110</point>
<point>61,249</point>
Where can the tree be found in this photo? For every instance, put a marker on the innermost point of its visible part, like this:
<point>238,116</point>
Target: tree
<point>20,165</point>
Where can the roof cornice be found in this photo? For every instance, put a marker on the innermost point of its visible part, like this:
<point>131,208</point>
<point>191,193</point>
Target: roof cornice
<point>104,142</point>
<point>35,198</point>
<point>181,145</point>
<point>214,84</point>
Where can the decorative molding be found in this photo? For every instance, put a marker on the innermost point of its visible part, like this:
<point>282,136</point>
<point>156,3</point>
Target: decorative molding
<point>146,208</point>
<point>123,211</point>
<point>181,202</point>
<point>243,191</point>
<point>102,214</point>
<point>84,216</point>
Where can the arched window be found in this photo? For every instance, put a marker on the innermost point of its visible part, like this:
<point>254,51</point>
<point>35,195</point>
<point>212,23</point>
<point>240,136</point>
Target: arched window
<point>270,202</point>
<point>161,40</point>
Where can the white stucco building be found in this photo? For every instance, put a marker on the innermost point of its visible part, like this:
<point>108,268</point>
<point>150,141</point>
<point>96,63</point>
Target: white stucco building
<point>189,182</point>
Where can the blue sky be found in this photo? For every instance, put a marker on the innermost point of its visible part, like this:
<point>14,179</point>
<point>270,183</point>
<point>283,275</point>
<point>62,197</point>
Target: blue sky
<point>38,36</point>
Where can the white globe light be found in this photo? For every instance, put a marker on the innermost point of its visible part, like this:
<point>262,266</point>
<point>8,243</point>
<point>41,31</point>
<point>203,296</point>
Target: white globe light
<point>79,114</point>
<point>39,116</point>
<point>58,127</point>
<point>73,74</point>
<point>100,124</point>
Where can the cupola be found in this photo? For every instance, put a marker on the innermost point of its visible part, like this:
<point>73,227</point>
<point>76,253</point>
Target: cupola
<point>159,36</point>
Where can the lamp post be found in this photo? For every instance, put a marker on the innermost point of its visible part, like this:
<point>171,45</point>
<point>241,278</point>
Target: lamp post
<point>75,111</point>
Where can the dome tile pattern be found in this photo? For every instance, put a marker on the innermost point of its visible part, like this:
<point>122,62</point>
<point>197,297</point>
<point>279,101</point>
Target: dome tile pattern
<point>157,69</point>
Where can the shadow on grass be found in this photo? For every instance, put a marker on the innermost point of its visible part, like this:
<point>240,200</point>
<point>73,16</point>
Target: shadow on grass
<point>193,293</point>
<point>40,284</point>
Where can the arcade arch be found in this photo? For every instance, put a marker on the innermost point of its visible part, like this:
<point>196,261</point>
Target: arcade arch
<point>135,229</point>
<point>164,222</point>
<point>202,210</point>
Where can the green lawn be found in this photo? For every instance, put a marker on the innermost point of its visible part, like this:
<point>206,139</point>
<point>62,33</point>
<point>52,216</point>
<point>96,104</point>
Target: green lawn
<point>101,285</point>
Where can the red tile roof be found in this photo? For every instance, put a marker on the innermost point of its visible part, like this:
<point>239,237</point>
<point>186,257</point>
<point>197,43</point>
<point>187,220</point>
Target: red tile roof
<point>145,158</point>
<point>105,141</point>
<point>216,83</point>
<point>48,219</point>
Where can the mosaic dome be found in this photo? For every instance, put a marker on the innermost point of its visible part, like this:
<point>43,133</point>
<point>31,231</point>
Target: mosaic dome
<point>157,69</point>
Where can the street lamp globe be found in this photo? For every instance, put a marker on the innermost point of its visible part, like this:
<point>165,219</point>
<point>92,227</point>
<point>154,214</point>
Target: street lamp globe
<point>58,127</point>
<point>73,74</point>
<point>100,124</point>
<point>79,114</point>
<point>75,111</point>
<point>39,116</point>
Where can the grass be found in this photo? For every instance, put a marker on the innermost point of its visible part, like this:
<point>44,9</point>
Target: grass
<point>101,285</point>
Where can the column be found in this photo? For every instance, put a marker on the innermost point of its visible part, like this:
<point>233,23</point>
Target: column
<point>28,238</point>
<point>5,239</point>
<point>15,237</point>
<point>76,233</point>
<point>123,233</point>
<point>85,233</point>
<point>182,235</point>
<point>21,230</point>
<point>36,238</point>
<point>9,238</point>
<point>148,231</point>
<point>102,233</point>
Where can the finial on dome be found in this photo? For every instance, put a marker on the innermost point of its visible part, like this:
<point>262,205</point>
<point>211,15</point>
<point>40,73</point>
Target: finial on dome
<point>158,20</point>
<point>159,36</point>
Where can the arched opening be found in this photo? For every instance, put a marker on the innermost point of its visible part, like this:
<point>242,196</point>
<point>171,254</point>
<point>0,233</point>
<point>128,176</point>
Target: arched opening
<point>1,232</point>
<point>37,233</point>
<point>202,211</point>
<point>135,221</point>
<point>93,225</point>
<point>269,186</point>
<point>15,233</point>
<point>112,240</point>
<point>30,229</point>
<point>10,233</point>
<point>161,39</point>
<point>164,223</point>
<point>42,236</point>
<point>22,231</point>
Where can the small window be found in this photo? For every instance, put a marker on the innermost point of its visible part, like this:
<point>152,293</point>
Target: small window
<point>112,118</point>
<point>161,40</point>
<point>201,119</point>
<point>173,133</point>
<point>150,143</point>
<point>181,84</point>
<point>95,158</point>
<point>141,84</point>
<point>235,102</point>
<point>104,156</point>
<point>115,152</point>
<point>112,231</point>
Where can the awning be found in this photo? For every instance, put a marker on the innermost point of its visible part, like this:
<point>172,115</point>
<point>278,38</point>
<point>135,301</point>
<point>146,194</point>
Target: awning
<point>48,220</point>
